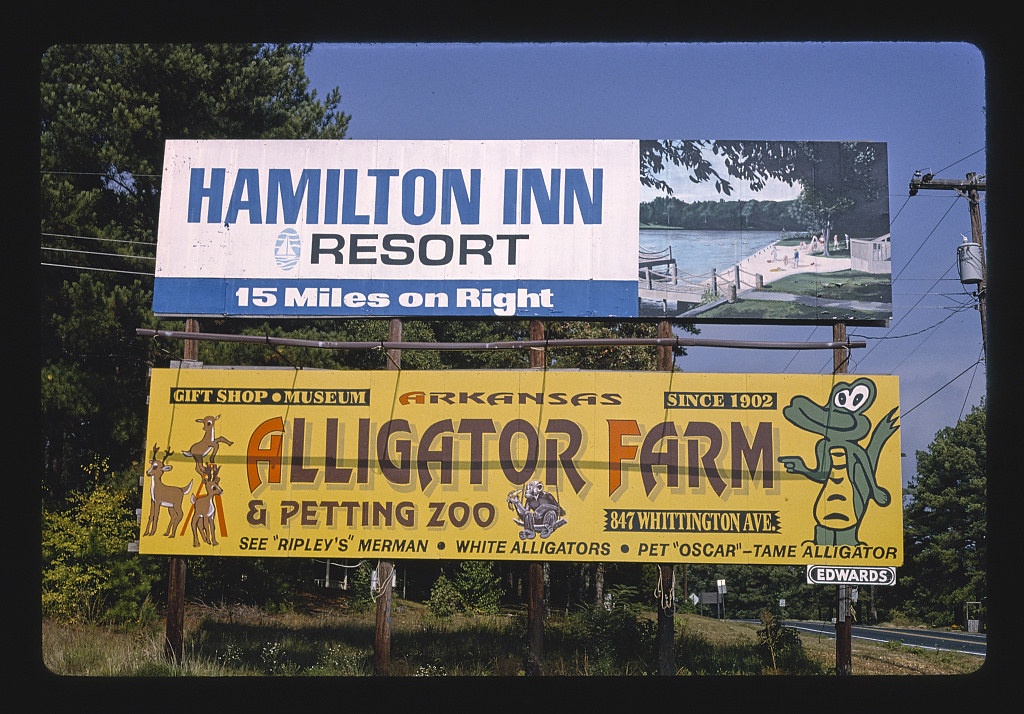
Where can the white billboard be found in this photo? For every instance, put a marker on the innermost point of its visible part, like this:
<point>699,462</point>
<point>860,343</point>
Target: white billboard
<point>398,228</point>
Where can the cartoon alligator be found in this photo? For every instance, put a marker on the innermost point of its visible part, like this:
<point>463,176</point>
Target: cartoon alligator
<point>845,469</point>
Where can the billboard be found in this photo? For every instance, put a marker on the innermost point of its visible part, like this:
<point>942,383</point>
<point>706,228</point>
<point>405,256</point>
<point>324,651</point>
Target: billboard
<point>398,228</point>
<point>709,231</point>
<point>524,465</point>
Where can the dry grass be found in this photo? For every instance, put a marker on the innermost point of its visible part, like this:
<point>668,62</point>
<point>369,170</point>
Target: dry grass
<point>325,640</point>
<point>867,658</point>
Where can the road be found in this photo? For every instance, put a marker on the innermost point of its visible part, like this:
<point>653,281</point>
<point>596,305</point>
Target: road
<point>946,641</point>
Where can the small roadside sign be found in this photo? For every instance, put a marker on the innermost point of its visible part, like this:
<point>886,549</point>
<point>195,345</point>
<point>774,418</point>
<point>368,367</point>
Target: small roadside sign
<point>838,575</point>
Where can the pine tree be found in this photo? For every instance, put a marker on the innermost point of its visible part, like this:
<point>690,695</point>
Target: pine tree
<point>945,521</point>
<point>105,112</point>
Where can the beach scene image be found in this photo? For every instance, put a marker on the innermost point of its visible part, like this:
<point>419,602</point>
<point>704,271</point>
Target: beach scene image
<point>749,235</point>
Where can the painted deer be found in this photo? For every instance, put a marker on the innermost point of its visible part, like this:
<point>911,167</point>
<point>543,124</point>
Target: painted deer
<point>204,508</point>
<point>163,495</point>
<point>208,445</point>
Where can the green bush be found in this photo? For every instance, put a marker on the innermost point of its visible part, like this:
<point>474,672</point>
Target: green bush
<point>359,578</point>
<point>474,588</point>
<point>88,575</point>
<point>611,639</point>
<point>478,587</point>
<point>625,597</point>
<point>445,599</point>
<point>780,647</point>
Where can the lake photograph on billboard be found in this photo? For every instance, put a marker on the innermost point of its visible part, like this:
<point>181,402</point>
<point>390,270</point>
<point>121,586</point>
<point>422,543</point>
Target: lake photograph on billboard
<point>760,231</point>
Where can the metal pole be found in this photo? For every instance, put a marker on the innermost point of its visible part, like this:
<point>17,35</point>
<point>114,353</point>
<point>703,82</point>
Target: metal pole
<point>674,341</point>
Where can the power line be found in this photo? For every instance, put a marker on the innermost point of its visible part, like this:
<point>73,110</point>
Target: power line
<point>981,358</point>
<point>917,305</point>
<point>94,252</point>
<point>106,240</point>
<point>904,414</point>
<point>99,270</point>
<point>96,173</point>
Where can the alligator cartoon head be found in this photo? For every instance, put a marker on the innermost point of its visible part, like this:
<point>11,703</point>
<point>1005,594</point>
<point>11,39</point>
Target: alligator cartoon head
<point>846,470</point>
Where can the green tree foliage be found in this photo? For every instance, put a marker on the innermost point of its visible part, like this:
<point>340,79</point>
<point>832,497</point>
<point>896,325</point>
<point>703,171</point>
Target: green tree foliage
<point>105,112</point>
<point>945,522</point>
<point>781,648</point>
<point>445,599</point>
<point>837,178</point>
<point>479,587</point>
<point>719,215</point>
<point>751,589</point>
<point>88,573</point>
<point>473,588</point>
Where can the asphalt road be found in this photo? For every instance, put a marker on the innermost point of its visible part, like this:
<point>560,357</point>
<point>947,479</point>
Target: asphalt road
<point>939,640</point>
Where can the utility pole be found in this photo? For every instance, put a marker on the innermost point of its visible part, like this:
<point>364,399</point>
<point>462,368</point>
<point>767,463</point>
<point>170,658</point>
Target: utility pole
<point>968,188</point>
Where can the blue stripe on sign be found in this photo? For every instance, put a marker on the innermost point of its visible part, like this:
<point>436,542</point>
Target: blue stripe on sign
<point>394,298</point>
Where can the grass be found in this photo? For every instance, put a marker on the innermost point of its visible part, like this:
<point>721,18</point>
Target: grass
<point>322,640</point>
<point>840,285</point>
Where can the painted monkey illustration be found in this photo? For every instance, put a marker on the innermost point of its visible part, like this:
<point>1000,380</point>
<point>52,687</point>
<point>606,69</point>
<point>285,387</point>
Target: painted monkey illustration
<point>538,511</point>
<point>845,469</point>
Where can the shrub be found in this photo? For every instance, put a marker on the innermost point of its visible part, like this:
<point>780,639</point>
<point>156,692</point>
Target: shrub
<point>474,588</point>
<point>780,647</point>
<point>359,578</point>
<point>87,572</point>
<point>445,599</point>
<point>478,587</point>
<point>613,638</point>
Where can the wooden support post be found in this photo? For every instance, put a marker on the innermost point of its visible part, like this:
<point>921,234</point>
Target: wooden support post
<point>382,638</point>
<point>174,634</point>
<point>666,601</point>
<point>535,588</point>
<point>844,622</point>
<point>535,620</point>
<point>386,568</point>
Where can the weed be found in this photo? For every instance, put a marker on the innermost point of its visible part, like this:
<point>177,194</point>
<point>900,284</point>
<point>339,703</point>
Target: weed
<point>589,642</point>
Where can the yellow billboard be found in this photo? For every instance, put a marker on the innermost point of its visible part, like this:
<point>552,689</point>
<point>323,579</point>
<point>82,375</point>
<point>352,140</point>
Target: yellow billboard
<point>529,465</point>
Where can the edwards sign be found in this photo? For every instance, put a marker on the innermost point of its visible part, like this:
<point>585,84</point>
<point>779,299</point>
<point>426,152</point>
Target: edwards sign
<point>833,575</point>
<point>545,229</point>
<point>548,465</point>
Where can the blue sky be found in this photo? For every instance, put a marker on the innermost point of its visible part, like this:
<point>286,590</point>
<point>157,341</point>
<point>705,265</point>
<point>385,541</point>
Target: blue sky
<point>925,100</point>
